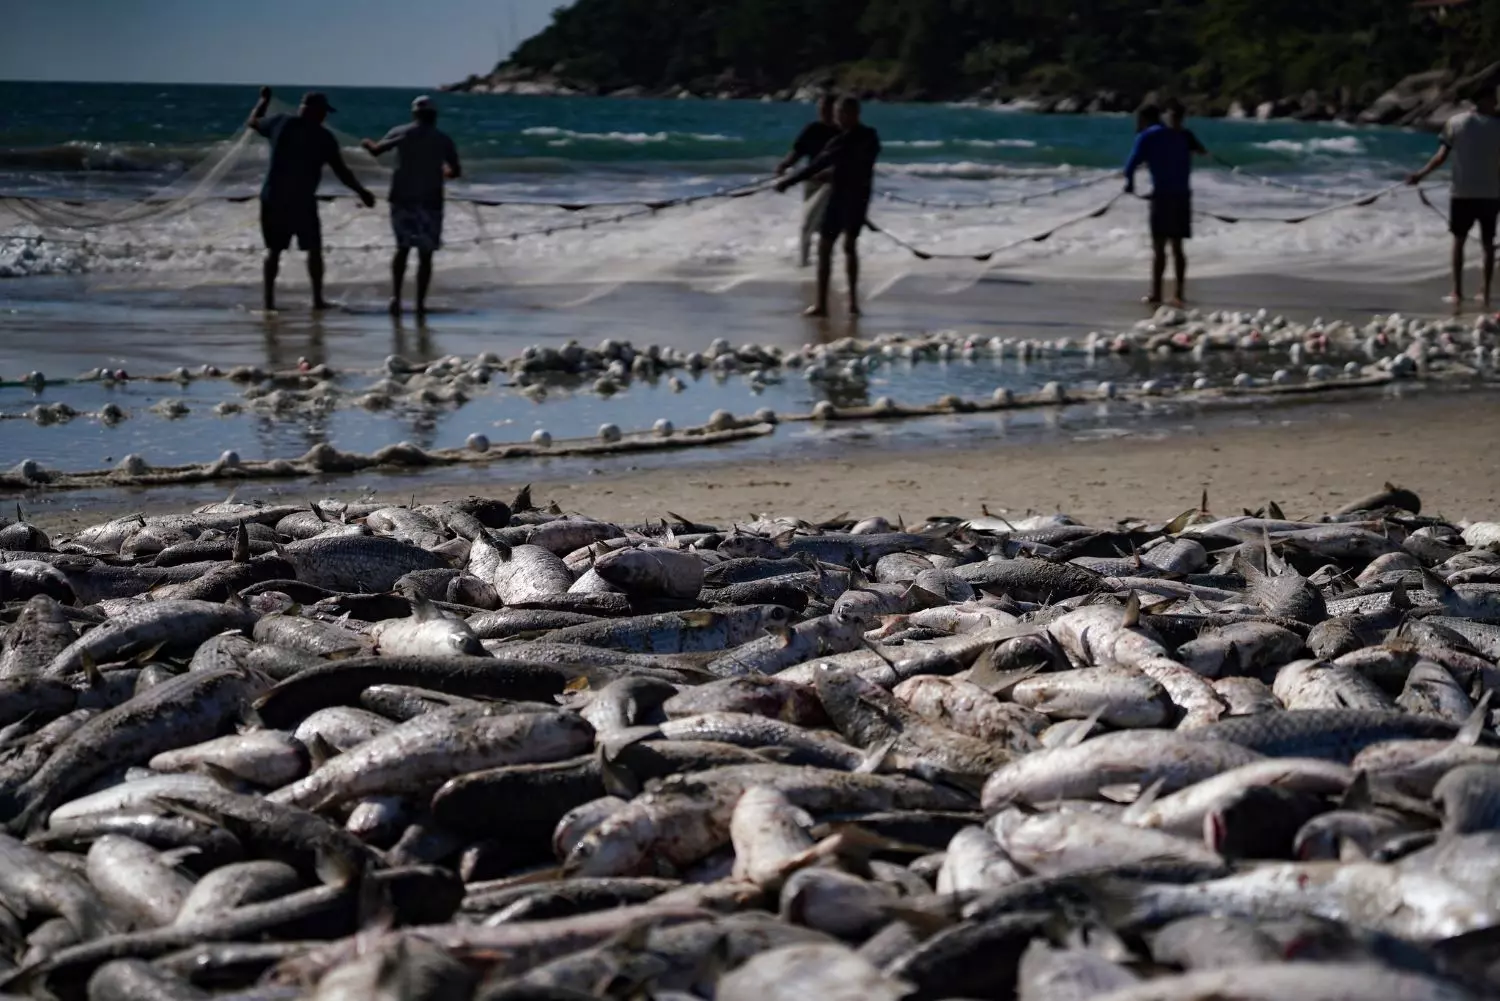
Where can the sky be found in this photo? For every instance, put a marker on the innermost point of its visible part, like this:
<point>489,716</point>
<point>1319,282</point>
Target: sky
<point>326,42</point>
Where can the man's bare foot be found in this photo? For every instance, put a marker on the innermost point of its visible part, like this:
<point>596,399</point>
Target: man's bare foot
<point>393,307</point>
<point>815,311</point>
<point>421,313</point>
<point>854,309</point>
<point>319,305</point>
<point>1456,300</point>
<point>1176,302</point>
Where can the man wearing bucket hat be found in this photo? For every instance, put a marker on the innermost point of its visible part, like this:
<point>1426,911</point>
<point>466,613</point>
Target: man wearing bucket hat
<point>425,158</point>
<point>300,147</point>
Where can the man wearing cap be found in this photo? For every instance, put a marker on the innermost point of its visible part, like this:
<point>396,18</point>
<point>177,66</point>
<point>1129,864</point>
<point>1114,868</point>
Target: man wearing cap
<point>425,158</point>
<point>300,147</point>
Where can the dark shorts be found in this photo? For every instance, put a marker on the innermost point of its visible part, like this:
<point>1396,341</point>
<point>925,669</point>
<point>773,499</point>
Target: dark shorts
<point>1463,213</point>
<point>280,222</point>
<point>844,218</point>
<point>417,227</point>
<point>1171,217</point>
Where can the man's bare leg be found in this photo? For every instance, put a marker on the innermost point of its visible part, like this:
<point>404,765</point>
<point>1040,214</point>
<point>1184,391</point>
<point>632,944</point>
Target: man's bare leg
<point>1487,277</point>
<point>825,275</point>
<point>851,270</point>
<point>268,279</point>
<point>1179,268</point>
<point>1458,274</point>
<point>1158,270</point>
<point>315,276</point>
<point>424,279</point>
<point>398,279</point>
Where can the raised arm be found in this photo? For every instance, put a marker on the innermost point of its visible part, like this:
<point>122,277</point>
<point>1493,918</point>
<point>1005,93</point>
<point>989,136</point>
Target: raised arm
<point>1438,159</point>
<point>452,169</point>
<point>816,165</point>
<point>1133,163</point>
<point>391,141</point>
<point>258,113</point>
<point>335,160</point>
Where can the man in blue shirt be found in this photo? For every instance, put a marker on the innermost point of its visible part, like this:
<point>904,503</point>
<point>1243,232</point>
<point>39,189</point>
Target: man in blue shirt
<point>300,147</point>
<point>1168,154</point>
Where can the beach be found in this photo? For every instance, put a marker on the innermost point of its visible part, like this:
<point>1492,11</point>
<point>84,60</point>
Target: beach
<point>1307,458</point>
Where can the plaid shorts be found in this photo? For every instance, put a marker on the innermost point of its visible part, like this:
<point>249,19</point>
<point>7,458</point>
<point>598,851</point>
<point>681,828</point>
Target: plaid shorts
<point>417,227</point>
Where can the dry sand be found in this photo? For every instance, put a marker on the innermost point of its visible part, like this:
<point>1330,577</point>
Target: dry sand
<point>1309,459</point>
<point>1309,462</point>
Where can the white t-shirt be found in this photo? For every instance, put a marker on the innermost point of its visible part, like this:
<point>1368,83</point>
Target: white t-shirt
<point>1475,141</point>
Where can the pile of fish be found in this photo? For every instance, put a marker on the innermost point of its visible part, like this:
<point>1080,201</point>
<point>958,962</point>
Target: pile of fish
<point>478,749</point>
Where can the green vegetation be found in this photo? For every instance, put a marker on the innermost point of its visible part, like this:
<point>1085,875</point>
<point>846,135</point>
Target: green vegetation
<point>1219,50</point>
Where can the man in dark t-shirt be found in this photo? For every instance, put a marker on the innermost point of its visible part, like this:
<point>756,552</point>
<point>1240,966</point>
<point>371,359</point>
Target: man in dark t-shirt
<point>300,148</point>
<point>425,158</point>
<point>810,142</point>
<point>847,164</point>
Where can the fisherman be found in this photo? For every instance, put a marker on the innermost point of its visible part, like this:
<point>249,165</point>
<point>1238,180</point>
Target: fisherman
<point>1176,115</point>
<point>810,142</point>
<point>425,157</point>
<point>1472,138</point>
<point>300,147</point>
<point>847,164</point>
<point>1168,154</point>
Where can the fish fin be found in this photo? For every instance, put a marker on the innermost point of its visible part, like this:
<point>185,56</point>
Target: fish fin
<point>1435,586</point>
<point>1357,796</point>
<point>1121,792</point>
<point>1158,607</point>
<point>1203,504</point>
<point>322,515</point>
<point>876,756</point>
<point>1132,611</point>
<point>502,547</point>
<point>996,682</point>
<point>617,779</point>
<point>1399,597</point>
<point>241,553</point>
<point>1473,727</point>
<point>1180,523</point>
<point>699,618</point>
<point>336,868</point>
<point>1274,510</point>
<point>422,609</point>
<point>1136,811</point>
<point>319,751</point>
<point>1085,727</point>
<point>169,804</point>
<point>91,672</point>
<point>783,540</point>
<point>932,598</point>
<point>522,501</point>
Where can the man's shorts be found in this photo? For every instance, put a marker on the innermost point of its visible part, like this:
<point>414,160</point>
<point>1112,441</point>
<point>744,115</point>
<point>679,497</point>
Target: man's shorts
<point>844,217</point>
<point>279,222</point>
<point>1463,213</point>
<point>1171,216</point>
<point>417,227</point>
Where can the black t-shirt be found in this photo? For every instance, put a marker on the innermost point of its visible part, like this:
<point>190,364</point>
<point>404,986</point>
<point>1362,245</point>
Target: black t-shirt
<point>299,150</point>
<point>814,139</point>
<point>1194,145</point>
<point>852,157</point>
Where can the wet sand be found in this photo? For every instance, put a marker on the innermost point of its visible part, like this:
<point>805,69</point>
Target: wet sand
<point>63,325</point>
<point>1309,459</point>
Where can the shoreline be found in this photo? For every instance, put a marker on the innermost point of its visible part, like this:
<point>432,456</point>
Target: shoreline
<point>1306,459</point>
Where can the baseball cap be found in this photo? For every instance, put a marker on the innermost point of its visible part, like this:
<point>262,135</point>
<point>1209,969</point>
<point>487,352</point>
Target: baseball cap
<point>316,98</point>
<point>423,103</point>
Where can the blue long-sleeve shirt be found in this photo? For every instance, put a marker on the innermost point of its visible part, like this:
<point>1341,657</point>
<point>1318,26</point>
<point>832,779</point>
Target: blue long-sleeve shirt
<point>1168,154</point>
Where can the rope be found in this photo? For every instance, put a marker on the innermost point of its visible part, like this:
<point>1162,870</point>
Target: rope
<point>985,256</point>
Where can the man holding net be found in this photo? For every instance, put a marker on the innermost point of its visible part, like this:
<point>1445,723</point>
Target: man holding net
<point>425,158</point>
<point>300,147</point>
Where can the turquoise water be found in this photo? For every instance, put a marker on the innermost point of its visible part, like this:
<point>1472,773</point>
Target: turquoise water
<point>59,138</point>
